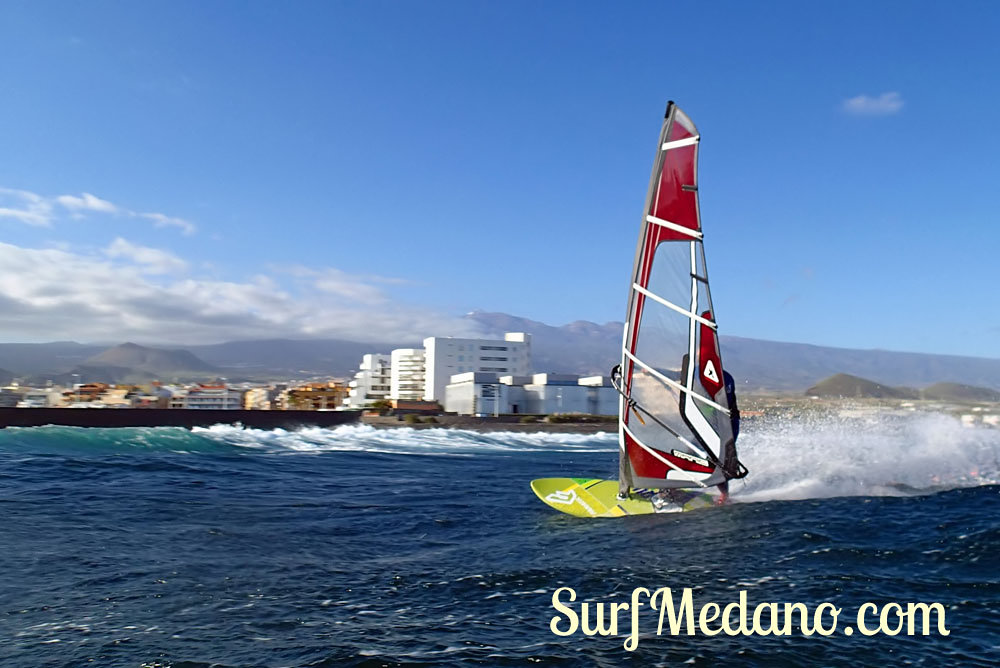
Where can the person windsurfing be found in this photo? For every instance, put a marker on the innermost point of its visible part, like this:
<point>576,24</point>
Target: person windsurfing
<point>734,421</point>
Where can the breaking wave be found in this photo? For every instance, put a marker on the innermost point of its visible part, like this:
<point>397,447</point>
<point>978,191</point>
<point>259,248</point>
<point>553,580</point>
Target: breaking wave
<point>407,440</point>
<point>887,455</point>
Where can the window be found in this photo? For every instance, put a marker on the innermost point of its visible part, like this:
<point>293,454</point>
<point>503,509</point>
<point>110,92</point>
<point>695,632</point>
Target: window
<point>504,348</point>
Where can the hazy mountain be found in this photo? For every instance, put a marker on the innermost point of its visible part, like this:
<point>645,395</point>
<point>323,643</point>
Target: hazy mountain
<point>847,386</point>
<point>101,373</point>
<point>131,363</point>
<point>41,358</point>
<point>156,361</point>
<point>291,356</point>
<point>958,392</point>
<point>579,347</point>
<point>792,366</point>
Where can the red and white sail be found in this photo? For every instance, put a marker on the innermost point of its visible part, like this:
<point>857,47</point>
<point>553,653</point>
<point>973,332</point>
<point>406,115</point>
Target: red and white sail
<point>674,424</point>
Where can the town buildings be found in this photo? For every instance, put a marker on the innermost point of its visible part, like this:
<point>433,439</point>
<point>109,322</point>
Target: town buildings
<point>313,397</point>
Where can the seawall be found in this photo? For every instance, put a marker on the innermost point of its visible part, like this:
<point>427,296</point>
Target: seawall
<point>171,417</point>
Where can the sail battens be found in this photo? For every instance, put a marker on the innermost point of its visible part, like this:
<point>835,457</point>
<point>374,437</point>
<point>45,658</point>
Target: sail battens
<point>683,311</point>
<point>677,386</point>
<point>688,141</point>
<point>688,474</point>
<point>694,234</point>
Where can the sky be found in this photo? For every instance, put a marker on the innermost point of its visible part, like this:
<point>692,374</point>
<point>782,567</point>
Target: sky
<point>196,172</point>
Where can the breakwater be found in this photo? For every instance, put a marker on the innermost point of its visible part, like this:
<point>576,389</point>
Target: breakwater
<point>171,417</point>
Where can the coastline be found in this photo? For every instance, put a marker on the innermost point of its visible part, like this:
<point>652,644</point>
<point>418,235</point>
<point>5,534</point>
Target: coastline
<point>488,424</point>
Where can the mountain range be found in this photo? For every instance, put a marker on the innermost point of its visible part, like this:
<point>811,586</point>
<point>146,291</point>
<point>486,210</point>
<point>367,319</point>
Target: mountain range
<point>844,385</point>
<point>580,347</point>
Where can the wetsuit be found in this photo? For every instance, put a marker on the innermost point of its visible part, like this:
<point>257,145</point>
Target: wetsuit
<point>734,411</point>
<point>734,421</point>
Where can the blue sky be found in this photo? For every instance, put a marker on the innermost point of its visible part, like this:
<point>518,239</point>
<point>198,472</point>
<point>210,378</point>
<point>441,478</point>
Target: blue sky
<point>187,172</point>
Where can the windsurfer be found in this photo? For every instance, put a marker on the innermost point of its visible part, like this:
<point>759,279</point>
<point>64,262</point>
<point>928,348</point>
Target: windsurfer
<point>734,420</point>
<point>734,411</point>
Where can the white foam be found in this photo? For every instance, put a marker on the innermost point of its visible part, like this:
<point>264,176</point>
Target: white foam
<point>406,440</point>
<point>803,458</point>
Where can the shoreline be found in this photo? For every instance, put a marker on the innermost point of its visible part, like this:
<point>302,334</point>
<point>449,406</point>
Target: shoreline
<point>490,424</point>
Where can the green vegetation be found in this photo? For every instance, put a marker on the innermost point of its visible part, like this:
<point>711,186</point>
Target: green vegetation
<point>528,419</point>
<point>430,419</point>
<point>410,418</point>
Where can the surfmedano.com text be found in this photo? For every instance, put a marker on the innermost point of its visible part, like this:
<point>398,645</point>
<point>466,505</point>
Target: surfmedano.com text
<point>680,617</point>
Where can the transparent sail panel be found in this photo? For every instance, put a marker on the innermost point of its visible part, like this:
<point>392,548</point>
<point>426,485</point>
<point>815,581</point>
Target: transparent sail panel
<point>704,300</point>
<point>699,257</point>
<point>648,390</point>
<point>670,276</point>
<point>663,340</point>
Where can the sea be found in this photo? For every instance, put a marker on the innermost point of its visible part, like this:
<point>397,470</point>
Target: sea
<point>219,547</point>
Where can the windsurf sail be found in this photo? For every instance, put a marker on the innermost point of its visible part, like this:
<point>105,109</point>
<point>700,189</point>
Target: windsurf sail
<point>674,418</point>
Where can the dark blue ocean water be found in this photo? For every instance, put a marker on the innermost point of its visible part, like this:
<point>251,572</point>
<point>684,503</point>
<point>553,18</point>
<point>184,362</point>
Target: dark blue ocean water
<point>224,547</point>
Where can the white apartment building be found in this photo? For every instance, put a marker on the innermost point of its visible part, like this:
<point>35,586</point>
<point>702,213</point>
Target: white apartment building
<point>406,379</point>
<point>372,382</point>
<point>447,356</point>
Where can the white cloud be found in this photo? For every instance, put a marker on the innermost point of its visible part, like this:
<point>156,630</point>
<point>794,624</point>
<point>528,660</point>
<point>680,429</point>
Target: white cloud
<point>161,220</point>
<point>33,209</point>
<point>86,202</point>
<point>361,288</point>
<point>885,104</point>
<point>336,282</point>
<point>25,207</point>
<point>49,294</point>
<point>152,260</point>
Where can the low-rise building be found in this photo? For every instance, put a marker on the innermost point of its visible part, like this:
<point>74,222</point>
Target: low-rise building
<point>115,397</point>
<point>479,393</point>
<point>213,396</point>
<point>144,400</point>
<point>85,393</point>
<point>10,396</point>
<point>259,398</point>
<point>40,397</point>
<point>313,397</point>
